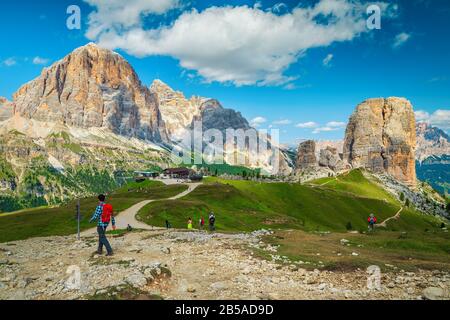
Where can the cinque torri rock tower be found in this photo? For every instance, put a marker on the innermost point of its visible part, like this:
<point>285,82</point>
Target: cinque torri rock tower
<point>381,137</point>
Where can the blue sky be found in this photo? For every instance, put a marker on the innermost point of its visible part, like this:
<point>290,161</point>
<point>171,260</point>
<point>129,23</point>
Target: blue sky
<point>304,83</point>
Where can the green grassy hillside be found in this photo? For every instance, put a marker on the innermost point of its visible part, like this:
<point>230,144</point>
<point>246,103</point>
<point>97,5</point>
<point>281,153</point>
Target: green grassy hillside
<point>41,222</point>
<point>248,205</point>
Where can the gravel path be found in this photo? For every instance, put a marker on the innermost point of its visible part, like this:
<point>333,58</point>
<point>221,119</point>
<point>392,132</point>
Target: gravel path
<point>128,216</point>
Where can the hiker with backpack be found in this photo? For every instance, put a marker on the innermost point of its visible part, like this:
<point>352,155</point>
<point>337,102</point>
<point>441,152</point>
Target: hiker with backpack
<point>212,221</point>
<point>201,223</point>
<point>372,220</point>
<point>104,215</point>
<point>189,224</point>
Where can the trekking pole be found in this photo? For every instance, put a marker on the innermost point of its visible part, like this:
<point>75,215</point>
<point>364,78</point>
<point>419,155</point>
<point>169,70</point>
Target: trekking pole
<point>78,219</point>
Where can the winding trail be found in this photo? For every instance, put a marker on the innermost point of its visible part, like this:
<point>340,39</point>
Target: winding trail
<point>336,178</point>
<point>128,216</point>
<point>384,223</point>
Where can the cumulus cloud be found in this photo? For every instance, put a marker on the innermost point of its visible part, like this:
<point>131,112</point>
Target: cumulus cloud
<point>282,122</point>
<point>307,125</point>
<point>115,15</point>
<point>256,122</point>
<point>327,61</point>
<point>324,129</point>
<point>336,124</point>
<point>9,62</point>
<point>241,45</point>
<point>401,39</point>
<point>440,118</point>
<point>40,61</point>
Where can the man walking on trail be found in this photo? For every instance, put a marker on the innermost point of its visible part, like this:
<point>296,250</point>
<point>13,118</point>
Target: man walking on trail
<point>104,215</point>
<point>372,220</point>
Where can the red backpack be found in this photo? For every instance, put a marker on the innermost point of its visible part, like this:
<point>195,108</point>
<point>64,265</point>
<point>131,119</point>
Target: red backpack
<point>107,213</point>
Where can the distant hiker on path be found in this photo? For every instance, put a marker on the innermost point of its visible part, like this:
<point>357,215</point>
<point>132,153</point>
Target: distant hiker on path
<point>167,224</point>
<point>104,215</point>
<point>372,220</point>
<point>129,228</point>
<point>201,223</point>
<point>212,221</point>
<point>189,223</point>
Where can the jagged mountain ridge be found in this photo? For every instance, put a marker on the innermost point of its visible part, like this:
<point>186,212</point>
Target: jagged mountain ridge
<point>181,114</point>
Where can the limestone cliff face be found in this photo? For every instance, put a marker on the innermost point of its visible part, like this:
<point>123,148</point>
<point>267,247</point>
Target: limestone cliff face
<point>381,136</point>
<point>93,87</point>
<point>306,156</point>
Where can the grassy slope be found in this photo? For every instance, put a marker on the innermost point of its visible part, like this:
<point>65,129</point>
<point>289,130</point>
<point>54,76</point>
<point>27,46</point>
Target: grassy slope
<point>247,205</point>
<point>61,220</point>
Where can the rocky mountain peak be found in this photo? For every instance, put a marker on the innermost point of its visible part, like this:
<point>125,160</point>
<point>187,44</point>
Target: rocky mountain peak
<point>381,136</point>
<point>160,87</point>
<point>431,141</point>
<point>93,87</point>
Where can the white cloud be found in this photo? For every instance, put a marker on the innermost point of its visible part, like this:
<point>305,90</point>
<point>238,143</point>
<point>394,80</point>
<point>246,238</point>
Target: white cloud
<point>282,122</point>
<point>111,15</point>
<point>39,60</point>
<point>440,118</point>
<point>240,45</point>
<point>307,125</point>
<point>279,8</point>
<point>290,86</point>
<point>330,126</point>
<point>256,122</point>
<point>336,124</point>
<point>9,62</point>
<point>401,39</point>
<point>327,61</point>
<point>324,129</point>
<point>421,115</point>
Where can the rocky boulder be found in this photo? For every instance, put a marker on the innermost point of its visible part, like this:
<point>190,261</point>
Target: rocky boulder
<point>381,137</point>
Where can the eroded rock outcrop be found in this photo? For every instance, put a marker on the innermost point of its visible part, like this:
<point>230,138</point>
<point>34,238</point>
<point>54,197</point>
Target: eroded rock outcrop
<point>306,156</point>
<point>381,136</point>
<point>93,87</point>
<point>330,158</point>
